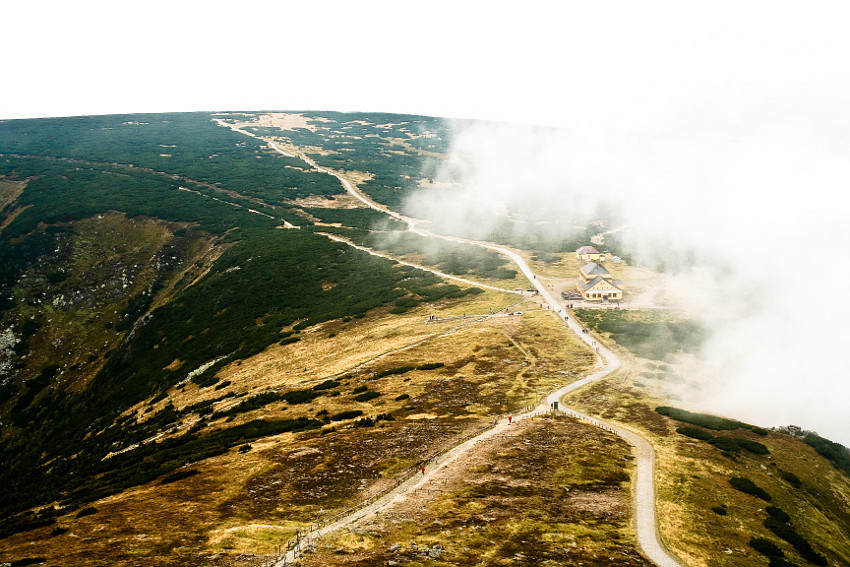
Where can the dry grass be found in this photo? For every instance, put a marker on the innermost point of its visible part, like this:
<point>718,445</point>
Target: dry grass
<point>248,503</point>
<point>10,191</point>
<point>693,477</point>
<point>519,499</point>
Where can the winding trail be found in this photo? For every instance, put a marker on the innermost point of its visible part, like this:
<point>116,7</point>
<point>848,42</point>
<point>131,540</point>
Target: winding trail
<point>607,362</point>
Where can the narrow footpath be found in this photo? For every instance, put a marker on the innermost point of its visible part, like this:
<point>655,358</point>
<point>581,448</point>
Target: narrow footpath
<point>644,481</point>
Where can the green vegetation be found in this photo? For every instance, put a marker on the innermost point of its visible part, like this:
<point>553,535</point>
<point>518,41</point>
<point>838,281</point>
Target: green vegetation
<point>648,333</point>
<point>791,479</point>
<point>366,396</point>
<point>547,257</point>
<point>99,188</point>
<point>778,523</point>
<point>702,419</point>
<point>749,487</point>
<point>453,258</point>
<point>265,280</point>
<point>695,433</point>
<point>397,370</point>
<point>346,415</point>
<point>727,444</point>
<point>27,561</point>
<point>836,453</point>
<point>369,219</point>
<point>196,148</point>
<point>766,547</point>
<point>724,443</point>
<point>349,143</point>
<point>753,446</point>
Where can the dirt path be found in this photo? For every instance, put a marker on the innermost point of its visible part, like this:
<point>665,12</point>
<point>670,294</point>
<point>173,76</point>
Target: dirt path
<point>426,268</point>
<point>607,362</point>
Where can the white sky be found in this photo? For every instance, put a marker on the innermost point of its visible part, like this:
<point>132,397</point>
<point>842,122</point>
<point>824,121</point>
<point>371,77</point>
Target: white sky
<point>736,115</point>
<point>527,62</point>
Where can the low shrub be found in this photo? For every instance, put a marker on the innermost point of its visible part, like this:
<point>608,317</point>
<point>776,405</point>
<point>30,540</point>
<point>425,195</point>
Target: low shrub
<point>346,415</point>
<point>766,547</point>
<point>753,447</point>
<point>300,396</point>
<point>402,397</point>
<point>179,475</point>
<point>747,486</point>
<point>701,419</point>
<point>835,453</point>
<point>27,561</point>
<point>364,422</point>
<point>326,385</point>
<point>366,396</point>
<point>359,389</point>
<point>780,562</point>
<point>430,366</point>
<point>803,547</point>
<point>87,511</point>
<point>791,479</point>
<point>399,370</point>
<point>719,510</point>
<point>726,444</point>
<point>778,514</point>
<point>695,433</point>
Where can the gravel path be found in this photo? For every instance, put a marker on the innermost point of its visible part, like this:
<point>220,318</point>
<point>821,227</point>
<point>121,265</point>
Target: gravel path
<point>607,361</point>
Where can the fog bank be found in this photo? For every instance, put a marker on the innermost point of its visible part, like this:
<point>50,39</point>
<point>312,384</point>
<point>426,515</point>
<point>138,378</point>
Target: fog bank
<point>758,208</point>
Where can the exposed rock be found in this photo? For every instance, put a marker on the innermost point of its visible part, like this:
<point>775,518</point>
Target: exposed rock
<point>435,551</point>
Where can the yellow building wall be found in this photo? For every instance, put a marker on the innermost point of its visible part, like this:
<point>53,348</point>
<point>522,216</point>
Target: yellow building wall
<point>589,257</point>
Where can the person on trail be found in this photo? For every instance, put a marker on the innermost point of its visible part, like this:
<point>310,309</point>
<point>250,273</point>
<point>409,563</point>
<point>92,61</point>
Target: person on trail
<point>423,469</point>
<point>510,417</point>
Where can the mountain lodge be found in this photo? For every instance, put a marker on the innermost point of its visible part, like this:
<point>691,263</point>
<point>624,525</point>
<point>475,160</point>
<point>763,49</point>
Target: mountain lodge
<point>595,283</point>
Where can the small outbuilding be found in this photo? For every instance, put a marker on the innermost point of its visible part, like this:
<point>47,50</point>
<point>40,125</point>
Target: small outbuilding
<point>588,254</point>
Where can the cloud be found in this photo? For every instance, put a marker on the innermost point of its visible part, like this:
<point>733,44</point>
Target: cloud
<point>749,188</point>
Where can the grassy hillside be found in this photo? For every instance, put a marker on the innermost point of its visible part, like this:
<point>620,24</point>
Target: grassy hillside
<point>190,371</point>
<point>730,493</point>
<point>126,272</point>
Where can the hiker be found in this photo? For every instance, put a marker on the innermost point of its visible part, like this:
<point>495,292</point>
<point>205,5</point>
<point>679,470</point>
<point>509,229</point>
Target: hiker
<point>423,470</point>
<point>510,417</point>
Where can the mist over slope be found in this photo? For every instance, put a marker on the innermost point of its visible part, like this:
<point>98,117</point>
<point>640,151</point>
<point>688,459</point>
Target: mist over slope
<point>749,225</point>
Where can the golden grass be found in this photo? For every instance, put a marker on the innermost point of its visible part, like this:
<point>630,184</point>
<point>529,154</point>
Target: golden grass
<point>10,191</point>
<point>517,499</point>
<point>693,476</point>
